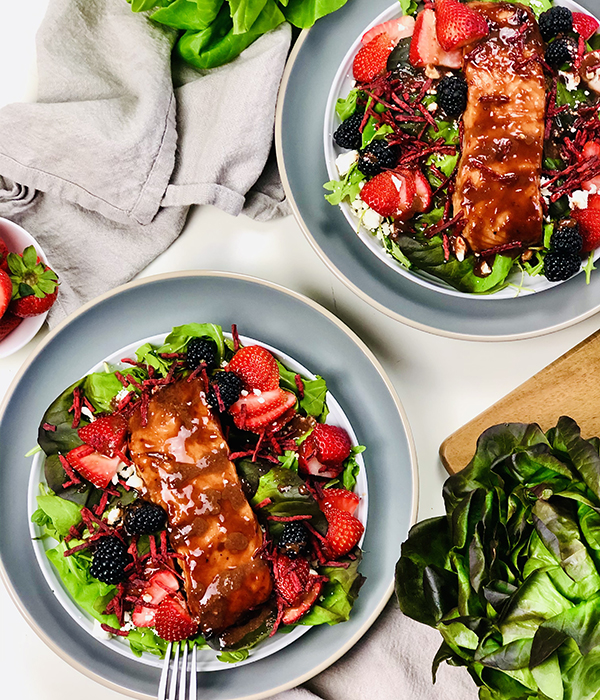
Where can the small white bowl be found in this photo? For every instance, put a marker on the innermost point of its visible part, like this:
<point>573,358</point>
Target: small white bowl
<point>17,239</point>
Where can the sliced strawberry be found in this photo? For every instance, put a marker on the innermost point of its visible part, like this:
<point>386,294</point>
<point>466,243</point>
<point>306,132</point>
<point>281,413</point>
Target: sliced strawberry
<point>324,451</point>
<point>591,148</point>
<point>290,576</point>
<point>585,25</point>
<point>172,620</point>
<point>143,617</point>
<point>589,227</point>
<point>341,499</point>
<point>256,367</point>
<point>162,584</point>
<point>458,25</point>
<point>93,466</point>
<point>343,533</point>
<point>371,59</point>
<point>258,410</point>
<point>8,323</point>
<point>5,291</point>
<point>107,434</point>
<point>396,29</point>
<point>592,185</point>
<point>303,604</point>
<point>593,203</point>
<point>425,49</point>
<point>423,188</point>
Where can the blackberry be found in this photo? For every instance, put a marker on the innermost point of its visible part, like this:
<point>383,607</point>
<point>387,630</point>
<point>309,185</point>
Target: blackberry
<point>561,266</point>
<point>347,135</point>
<point>566,238</point>
<point>201,350</point>
<point>558,53</point>
<point>109,560</point>
<point>294,539</point>
<point>229,386</point>
<point>554,21</point>
<point>377,156</point>
<point>452,95</point>
<point>144,518</point>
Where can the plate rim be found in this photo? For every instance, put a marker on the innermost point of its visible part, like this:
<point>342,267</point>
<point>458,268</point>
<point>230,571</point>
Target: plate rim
<point>351,335</point>
<point>342,277</point>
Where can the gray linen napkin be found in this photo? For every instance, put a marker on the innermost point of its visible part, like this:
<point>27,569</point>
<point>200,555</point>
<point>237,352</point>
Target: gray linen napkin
<point>391,662</point>
<point>102,169</point>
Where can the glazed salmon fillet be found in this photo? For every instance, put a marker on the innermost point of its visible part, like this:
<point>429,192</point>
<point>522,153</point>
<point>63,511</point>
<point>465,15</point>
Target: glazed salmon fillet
<point>498,178</point>
<point>183,460</point>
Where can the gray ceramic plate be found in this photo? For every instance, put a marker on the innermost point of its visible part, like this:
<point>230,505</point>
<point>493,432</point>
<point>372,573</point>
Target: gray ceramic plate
<point>298,327</point>
<point>299,140</point>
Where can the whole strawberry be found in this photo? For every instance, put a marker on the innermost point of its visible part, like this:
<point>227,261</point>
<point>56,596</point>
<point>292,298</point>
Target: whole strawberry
<point>344,531</point>
<point>34,285</point>
<point>371,60</point>
<point>172,621</point>
<point>458,25</point>
<point>3,256</point>
<point>256,367</point>
<point>589,227</point>
<point>5,292</point>
<point>8,323</point>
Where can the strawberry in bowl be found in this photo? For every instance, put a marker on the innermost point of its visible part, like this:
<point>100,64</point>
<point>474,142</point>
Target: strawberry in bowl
<point>28,287</point>
<point>434,158</point>
<point>200,447</point>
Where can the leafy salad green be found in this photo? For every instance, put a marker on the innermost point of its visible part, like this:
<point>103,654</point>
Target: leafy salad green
<point>510,576</point>
<point>61,503</point>
<point>214,32</point>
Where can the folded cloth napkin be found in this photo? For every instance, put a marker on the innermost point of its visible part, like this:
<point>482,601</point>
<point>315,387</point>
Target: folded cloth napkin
<point>102,169</point>
<point>391,662</point>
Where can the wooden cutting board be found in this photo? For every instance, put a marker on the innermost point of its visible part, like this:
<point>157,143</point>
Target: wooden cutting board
<point>570,386</point>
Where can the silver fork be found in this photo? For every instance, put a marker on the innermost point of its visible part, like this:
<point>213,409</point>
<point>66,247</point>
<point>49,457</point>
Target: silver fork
<point>177,690</point>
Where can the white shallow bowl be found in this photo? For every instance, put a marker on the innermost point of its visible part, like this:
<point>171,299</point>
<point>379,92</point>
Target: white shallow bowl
<point>17,239</point>
<point>207,658</point>
<point>341,86</point>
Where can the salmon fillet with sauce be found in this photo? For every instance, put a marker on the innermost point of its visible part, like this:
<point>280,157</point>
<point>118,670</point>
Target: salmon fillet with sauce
<point>183,460</point>
<point>498,178</point>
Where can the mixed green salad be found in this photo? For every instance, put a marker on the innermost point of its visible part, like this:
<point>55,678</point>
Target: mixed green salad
<point>403,117</point>
<point>87,496</point>
<point>510,576</point>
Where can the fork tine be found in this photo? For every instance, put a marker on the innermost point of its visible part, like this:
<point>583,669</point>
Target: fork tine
<point>162,685</point>
<point>173,686</point>
<point>193,674</point>
<point>183,674</point>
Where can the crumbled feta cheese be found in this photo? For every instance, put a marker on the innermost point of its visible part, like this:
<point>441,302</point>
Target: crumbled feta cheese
<point>361,184</point>
<point>121,395</point>
<point>359,206</point>
<point>134,482</point>
<point>432,107</point>
<point>127,627</point>
<point>432,72</point>
<point>345,161</point>
<point>99,633</point>
<point>85,411</point>
<point>572,80</point>
<point>371,219</point>
<point>124,471</point>
<point>579,199</point>
<point>113,516</point>
<point>115,479</point>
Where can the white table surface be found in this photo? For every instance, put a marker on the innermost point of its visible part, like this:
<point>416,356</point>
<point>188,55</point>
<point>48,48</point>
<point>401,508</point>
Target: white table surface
<point>442,383</point>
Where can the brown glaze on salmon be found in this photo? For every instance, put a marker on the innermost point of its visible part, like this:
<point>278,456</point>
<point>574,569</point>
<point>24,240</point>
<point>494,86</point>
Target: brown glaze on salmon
<point>498,177</point>
<point>183,460</point>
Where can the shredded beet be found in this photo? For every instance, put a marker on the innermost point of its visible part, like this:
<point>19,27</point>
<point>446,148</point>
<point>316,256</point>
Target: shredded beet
<point>49,427</point>
<point>101,507</point>
<point>76,407</point>
<point>69,470</point>
<point>515,245</point>
<point>288,518</point>
<point>112,630</point>
<point>236,337</point>
<point>262,504</point>
<point>219,398</point>
<point>299,385</point>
